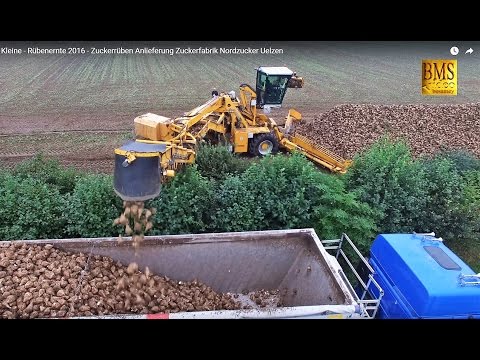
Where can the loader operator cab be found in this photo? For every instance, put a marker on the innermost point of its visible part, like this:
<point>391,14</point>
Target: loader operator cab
<point>272,83</point>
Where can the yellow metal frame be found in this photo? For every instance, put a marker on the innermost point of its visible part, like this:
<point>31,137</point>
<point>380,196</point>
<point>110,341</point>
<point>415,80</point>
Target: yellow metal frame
<point>173,155</point>
<point>127,153</point>
<point>237,116</point>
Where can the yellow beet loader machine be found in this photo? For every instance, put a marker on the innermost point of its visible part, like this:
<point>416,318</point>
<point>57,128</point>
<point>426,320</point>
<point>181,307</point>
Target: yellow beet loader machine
<point>240,122</point>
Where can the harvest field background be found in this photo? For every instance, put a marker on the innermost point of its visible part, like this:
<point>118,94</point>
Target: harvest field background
<point>77,108</point>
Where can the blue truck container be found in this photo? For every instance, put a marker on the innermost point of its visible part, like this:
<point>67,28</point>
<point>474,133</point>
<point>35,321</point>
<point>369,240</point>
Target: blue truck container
<point>422,278</point>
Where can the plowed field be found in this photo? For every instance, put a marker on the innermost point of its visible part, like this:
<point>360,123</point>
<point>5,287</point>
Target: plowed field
<point>77,108</point>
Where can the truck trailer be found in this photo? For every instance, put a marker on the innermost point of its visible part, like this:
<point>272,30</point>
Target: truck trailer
<point>404,275</point>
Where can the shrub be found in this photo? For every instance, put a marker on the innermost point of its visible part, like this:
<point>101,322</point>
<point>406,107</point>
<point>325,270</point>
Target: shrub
<point>442,212</point>
<point>388,179</point>
<point>336,211</point>
<point>184,204</point>
<point>470,206</point>
<point>49,171</point>
<point>92,207</point>
<point>234,207</point>
<point>462,160</point>
<point>278,185</point>
<point>216,162</point>
<point>30,209</point>
<point>428,194</point>
<point>467,244</point>
<point>285,192</point>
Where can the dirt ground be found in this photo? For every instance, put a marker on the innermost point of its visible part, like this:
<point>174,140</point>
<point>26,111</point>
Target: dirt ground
<point>85,142</point>
<point>82,149</point>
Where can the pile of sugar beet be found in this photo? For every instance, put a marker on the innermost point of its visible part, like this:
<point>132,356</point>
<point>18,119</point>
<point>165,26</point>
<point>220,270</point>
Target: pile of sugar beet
<point>427,128</point>
<point>41,281</point>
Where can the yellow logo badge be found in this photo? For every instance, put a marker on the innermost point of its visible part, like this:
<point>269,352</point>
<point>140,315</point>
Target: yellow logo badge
<point>439,77</point>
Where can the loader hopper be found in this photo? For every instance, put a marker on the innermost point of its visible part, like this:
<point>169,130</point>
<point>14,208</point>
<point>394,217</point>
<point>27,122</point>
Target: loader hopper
<point>137,174</point>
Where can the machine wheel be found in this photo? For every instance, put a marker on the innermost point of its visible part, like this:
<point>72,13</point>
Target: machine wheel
<point>263,144</point>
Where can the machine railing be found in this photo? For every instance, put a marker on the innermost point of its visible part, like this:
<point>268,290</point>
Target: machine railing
<point>465,280</point>
<point>428,236</point>
<point>369,300</point>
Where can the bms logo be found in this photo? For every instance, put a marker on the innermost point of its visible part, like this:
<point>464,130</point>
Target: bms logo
<point>439,77</point>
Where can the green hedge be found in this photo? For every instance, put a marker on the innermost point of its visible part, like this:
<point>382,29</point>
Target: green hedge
<point>386,190</point>
<point>92,207</point>
<point>463,161</point>
<point>234,208</point>
<point>390,181</point>
<point>283,192</point>
<point>30,209</point>
<point>49,171</point>
<point>470,206</point>
<point>183,205</point>
<point>216,162</point>
<point>426,194</point>
<point>442,212</point>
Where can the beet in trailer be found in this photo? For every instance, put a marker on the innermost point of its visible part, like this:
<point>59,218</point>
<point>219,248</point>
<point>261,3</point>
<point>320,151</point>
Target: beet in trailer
<point>310,281</point>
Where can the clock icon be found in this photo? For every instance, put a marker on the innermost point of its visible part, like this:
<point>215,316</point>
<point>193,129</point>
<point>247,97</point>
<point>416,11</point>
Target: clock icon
<point>454,50</point>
